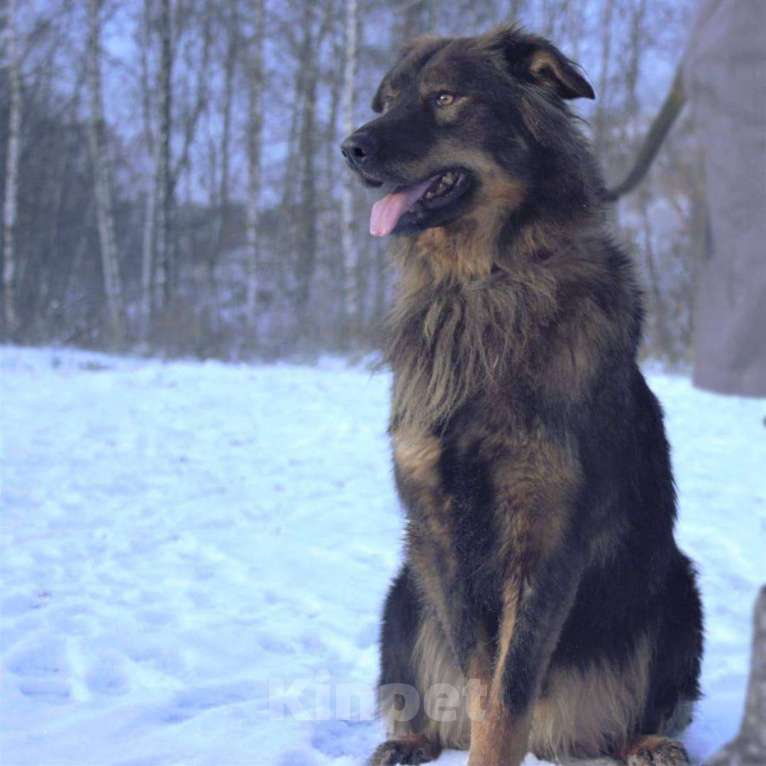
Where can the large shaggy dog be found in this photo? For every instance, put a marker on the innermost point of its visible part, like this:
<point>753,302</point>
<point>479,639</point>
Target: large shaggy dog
<point>543,604</point>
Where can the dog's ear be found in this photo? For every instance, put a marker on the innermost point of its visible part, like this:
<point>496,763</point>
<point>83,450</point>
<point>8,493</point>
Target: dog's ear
<point>534,58</point>
<point>549,66</point>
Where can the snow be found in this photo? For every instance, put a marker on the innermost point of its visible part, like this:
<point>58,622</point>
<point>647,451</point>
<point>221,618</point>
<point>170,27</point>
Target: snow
<point>195,556</point>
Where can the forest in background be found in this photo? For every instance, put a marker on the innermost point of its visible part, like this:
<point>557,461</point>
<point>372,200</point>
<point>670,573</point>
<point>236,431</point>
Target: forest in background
<point>172,182</point>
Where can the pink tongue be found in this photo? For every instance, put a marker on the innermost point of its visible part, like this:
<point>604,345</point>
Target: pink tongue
<point>386,212</point>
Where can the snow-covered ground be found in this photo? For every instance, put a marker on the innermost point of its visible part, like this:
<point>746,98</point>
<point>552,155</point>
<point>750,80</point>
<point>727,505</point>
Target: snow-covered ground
<point>194,557</point>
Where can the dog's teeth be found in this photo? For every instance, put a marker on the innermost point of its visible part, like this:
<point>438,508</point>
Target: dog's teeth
<point>442,186</point>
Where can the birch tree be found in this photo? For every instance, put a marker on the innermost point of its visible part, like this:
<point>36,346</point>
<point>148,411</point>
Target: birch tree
<point>102,173</point>
<point>150,205</point>
<point>515,8</point>
<point>255,81</point>
<point>11,168</point>
<point>233,33</point>
<point>600,120</point>
<point>351,57</point>
<point>307,225</point>
<point>194,75</point>
<point>164,187</point>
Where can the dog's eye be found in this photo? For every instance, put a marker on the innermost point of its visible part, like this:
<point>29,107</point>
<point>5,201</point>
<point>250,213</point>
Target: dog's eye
<point>444,98</point>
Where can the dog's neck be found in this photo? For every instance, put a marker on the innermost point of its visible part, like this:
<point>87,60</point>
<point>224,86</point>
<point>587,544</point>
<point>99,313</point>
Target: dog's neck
<point>476,311</point>
<point>461,320</point>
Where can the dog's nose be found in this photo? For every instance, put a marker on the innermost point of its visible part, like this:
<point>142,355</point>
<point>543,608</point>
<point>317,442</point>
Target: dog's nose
<point>359,148</point>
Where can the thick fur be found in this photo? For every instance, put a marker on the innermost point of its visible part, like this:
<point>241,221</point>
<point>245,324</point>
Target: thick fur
<point>542,579</point>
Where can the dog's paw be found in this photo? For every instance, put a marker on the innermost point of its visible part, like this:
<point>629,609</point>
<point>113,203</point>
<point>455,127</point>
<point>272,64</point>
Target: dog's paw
<point>657,751</point>
<point>407,750</point>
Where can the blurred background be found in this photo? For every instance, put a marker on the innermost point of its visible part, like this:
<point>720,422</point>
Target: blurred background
<point>187,546</point>
<point>172,181</point>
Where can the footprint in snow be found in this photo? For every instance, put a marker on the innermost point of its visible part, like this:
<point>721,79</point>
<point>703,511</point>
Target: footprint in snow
<point>41,669</point>
<point>107,676</point>
<point>50,690</point>
<point>192,702</point>
<point>22,603</point>
<point>38,658</point>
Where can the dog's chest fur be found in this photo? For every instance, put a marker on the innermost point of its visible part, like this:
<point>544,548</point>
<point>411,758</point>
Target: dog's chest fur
<point>486,493</point>
<point>447,489</point>
<point>483,479</point>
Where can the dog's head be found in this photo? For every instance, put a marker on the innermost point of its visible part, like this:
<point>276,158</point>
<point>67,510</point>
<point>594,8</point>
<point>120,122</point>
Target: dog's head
<point>462,121</point>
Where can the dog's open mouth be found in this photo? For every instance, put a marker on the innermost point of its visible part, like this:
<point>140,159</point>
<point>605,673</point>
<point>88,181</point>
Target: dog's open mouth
<point>434,193</point>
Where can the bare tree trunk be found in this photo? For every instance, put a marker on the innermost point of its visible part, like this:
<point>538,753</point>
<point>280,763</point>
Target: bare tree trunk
<point>635,51</point>
<point>57,249</point>
<point>334,80</point>
<point>315,31</point>
<point>150,211</point>
<point>147,256</point>
<point>232,52</point>
<point>414,19</point>
<point>600,126</point>
<point>103,179</point>
<point>292,162</point>
<point>575,27</point>
<point>285,266</point>
<point>11,169</point>
<point>515,8</point>
<point>192,118</point>
<point>307,226</point>
<point>657,300</point>
<point>254,131</point>
<point>233,33</point>
<point>164,181</point>
<point>351,56</point>
<point>189,123</point>
<point>555,14</point>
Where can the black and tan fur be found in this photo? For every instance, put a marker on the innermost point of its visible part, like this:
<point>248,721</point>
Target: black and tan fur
<point>541,577</point>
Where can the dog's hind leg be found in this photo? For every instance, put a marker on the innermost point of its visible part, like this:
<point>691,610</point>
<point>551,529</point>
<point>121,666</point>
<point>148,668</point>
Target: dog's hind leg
<point>673,686</point>
<point>412,738</point>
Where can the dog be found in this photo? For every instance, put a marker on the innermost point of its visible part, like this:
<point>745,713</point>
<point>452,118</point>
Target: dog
<point>542,594</point>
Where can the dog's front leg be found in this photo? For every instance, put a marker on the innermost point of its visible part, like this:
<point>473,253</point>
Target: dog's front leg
<point>502,693</point>
<point>499,735</point>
